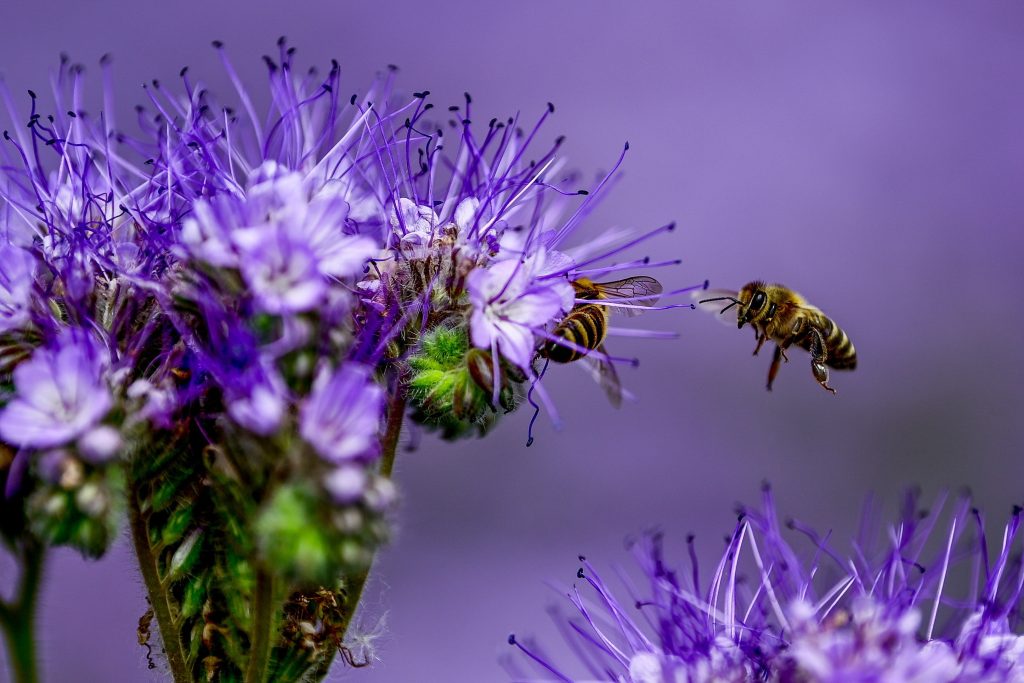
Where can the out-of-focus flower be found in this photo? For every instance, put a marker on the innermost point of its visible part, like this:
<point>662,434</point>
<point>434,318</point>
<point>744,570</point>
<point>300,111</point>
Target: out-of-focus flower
<point>342,415</point>
<point>17,273</point>
<point>61,394</point>
<point>771,613</point>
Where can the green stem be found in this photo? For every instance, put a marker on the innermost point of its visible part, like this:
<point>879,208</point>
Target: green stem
<point>18,618</point>
<point>158,597</point>
<point>354,588</point>
<point>263,623</point>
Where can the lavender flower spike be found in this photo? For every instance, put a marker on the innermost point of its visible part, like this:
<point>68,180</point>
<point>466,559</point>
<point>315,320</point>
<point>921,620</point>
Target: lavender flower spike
<point>61,394</point>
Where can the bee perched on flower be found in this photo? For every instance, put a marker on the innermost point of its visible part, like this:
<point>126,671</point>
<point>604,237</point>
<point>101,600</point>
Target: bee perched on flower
<point>220,321</point>
<point>928,602</point>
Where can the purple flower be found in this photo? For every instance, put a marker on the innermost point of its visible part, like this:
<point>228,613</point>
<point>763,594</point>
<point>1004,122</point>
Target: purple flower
<point>510,301</point>
<point>61,394</point>
<point>341,417</point>
<point>769,612</point>
<point>17,275</point>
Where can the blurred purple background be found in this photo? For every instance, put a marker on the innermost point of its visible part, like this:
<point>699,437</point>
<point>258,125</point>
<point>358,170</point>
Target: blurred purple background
<point>869,155</point>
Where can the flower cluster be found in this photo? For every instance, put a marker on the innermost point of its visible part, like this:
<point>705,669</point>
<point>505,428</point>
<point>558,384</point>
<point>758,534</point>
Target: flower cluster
<point>925,602</point>
<point>219,321</point>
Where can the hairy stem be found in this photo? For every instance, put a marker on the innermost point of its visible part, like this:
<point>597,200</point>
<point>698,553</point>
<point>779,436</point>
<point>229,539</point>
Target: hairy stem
<point>264,612</point>
<point>158,597</point>
<point>389,446</point>
<point>18,618</point>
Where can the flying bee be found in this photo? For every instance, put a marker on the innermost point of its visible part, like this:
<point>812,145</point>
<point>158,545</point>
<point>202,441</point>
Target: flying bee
<point>584,328</point>
<point>779,314</point>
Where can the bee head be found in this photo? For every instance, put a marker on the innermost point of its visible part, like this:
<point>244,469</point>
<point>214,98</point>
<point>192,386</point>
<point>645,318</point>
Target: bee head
<point>754,300</point>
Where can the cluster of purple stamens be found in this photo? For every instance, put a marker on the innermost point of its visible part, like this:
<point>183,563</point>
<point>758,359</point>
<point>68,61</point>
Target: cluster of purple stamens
<point>927,599</point>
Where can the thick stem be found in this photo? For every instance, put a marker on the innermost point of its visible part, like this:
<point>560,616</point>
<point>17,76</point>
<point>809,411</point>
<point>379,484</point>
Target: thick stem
<point>158,598</point>
<point>18,618</point>
<point>389,446</point>
<point>264,612</point>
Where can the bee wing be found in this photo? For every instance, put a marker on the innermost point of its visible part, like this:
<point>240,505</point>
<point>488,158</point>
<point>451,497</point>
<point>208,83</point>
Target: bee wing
<point>640,290</point>
<point>718,303</point>
<point>598,366</point>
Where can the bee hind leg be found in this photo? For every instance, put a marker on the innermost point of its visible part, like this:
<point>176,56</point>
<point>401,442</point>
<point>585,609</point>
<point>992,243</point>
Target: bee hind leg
<point>774,369</point>
<point>818,357</point>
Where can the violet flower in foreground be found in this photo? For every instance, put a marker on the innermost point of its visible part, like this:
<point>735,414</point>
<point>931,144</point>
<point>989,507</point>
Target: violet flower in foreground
<point>218,320</point>
<point>934,599</point>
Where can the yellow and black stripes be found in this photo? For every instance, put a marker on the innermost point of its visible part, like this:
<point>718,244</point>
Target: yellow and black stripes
<point>584,327</point>
<point>839,351</point>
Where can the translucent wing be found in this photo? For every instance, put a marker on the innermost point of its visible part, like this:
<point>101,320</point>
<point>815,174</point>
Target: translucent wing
<point>598,366</point>
<point>720,303</point>
<point>639,291</point>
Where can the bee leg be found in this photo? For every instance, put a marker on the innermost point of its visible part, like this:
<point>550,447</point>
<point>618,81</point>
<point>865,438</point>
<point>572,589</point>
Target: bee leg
<point>818,357</point>
<point>761,339</point>
<point>774,369</point>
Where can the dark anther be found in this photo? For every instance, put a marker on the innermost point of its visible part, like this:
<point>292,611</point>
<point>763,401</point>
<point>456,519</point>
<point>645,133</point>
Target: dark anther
<point>281,41</point>
<point>334,65</point>
<point>690,538</point>
<point>139,109</point>
<point>49,117</point>
<point>32,94</point>
<point>559,140</point>
<point>551,108</point>
<point>64,59</point>
<point>453,107</point>
<point>583,558</point>
<point>229,111</point>
<point>7,136</point>
<point>490,124</point>
<point>671,226</point>
<point>270,63</point>
<point>392,68</point>
<point>707,283</point>
<point>529,442</point>
<point>72,114</point>
<point>509,121</point>
<point>1017,509</point>
<point>627,144</point>
<point>352,100</point>
<point>511,639</point>
<point>466,122</point>
<point>326,87</point>
<point>583,192</point>
<point>638,604</point>
<point>790,523</point>
<point>580,574</point>
<point>148,162</point>
<point>105,59</point>
<point>218,44</point>
<point>468,98</point>
<point>428,106</point>
<point>421,95</point>
<point>408,123</point>
<point>184,70</point>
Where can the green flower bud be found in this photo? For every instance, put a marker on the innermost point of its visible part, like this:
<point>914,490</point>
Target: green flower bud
<point>452,385</point>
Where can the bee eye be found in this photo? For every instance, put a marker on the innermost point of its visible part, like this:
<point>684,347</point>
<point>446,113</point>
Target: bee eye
<point>758,301</point>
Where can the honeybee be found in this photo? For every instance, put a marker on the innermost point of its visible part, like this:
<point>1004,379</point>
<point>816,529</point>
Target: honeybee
<point>779,314</point>
<point>585,327</point>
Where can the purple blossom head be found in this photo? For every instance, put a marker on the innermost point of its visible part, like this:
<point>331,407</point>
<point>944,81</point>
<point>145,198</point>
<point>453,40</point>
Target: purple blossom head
<point>61,394</point>
<point>922,603</point>
<point>341,417</point>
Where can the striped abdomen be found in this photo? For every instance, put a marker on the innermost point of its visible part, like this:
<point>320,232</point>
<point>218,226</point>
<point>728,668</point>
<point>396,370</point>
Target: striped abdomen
<point>585,327</point>
<point>840,353</point>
